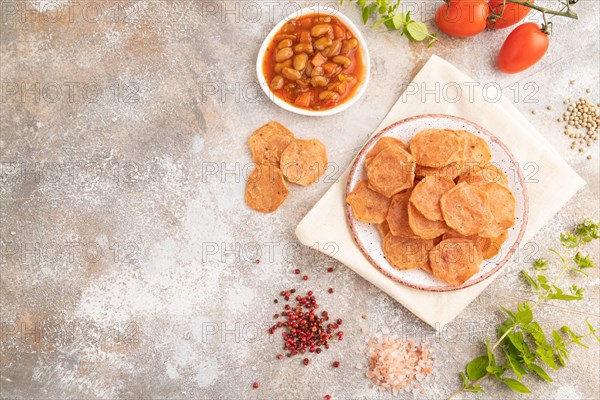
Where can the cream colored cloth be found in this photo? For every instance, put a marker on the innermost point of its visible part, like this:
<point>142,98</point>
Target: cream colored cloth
<point>549,188</point>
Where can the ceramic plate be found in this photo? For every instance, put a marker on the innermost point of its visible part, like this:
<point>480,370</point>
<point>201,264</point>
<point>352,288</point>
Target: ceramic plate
<point>367,237</point>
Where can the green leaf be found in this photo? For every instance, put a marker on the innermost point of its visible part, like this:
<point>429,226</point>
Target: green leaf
<point>587,231</point>
<point>477,368</point>
<point>496,371</point>
<point>536,332</point>
<point>575,338</point>
<point>546,354</point>
<point>390,24</point>
<point>416,31</point>
<point>583,262</point>
<point>558,294</point>
<point>464,379</point>
<point>515,365</point>
<point>398,20</point>
<point>393,8</point>
<point>569,240</point>
<point>524,316</point>
<point>432,39</point>
<point>592,330</point>
<point>490,354</point>
<point>380,21</point>
<point>540,264</point>
<point>530,280</point>
<point>539,371</point>
<point>516,385</point>
<point>557,338</point>
<point>475,389</point>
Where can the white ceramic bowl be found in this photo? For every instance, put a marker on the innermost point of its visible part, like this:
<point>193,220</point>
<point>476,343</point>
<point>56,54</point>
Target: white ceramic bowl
<point>367,237</point>
<point>366,59</point>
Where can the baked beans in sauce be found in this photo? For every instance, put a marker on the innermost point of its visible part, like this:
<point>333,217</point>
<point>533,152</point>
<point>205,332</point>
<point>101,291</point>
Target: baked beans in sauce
<point>314,62</point>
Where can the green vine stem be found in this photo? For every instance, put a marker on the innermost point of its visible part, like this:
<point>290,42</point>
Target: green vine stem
<point>566,13</point>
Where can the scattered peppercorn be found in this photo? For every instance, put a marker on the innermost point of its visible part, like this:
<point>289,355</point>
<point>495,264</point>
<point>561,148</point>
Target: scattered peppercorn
<point>304,330</point>
<point>279,356</point>
<point>305,361</point>
<point>584,116</point>
<point>327,397</point>
<point>330,290</point>
<point>330,269</point>
<point>255,385</point>
<point>297,271</point>
<point>305,278</point>
<point>336,364</point>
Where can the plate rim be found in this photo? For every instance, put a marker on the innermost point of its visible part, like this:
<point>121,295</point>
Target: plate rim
<point>351,221</point>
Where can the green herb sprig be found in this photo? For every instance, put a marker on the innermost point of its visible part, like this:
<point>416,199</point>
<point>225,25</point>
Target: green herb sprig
<point>388,15</point>
<point>522,346</point>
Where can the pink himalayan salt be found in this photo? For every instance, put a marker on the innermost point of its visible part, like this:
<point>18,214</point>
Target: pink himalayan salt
<point>398,364</point>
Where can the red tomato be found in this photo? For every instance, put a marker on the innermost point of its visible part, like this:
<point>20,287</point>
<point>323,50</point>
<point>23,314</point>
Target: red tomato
<point>508,15</point>
<point>462,18</point>
<point>525,46</point>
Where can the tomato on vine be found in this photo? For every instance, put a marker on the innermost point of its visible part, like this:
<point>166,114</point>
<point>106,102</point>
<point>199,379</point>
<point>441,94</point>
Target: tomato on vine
<point>462,18</point>
<point>504,14</point>
<point>523,47</point>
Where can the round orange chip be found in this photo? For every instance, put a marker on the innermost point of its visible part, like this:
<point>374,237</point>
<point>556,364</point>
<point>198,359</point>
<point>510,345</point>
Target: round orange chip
<point>383,229</point>
<point>455,260</point>
<point>427,267</point>
<point>494,245</point>
<point>368,205</point>
<point>437,147</point>
<point>427,193</point>
<point>406,253</point>
<point>265,189</point>
<point>449,171</point>
<point>384,143</point>
<point>268,142</point>
<point>477,151</point>
<point>391,171</point>
<point>466,209</point>
<point>397,216</point>
<point>502,205</point>
<point>423,227</point>
<point>488,247</point>
<point>482,175</point>
<point>304,161</point>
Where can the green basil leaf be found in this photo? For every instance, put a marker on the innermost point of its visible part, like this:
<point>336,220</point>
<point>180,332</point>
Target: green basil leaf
<point>524,317</point>
<point>539,371</point>
<point>477,368</point>
<point>417,31</point>
<point>516,386</point>
<point>398,20</point>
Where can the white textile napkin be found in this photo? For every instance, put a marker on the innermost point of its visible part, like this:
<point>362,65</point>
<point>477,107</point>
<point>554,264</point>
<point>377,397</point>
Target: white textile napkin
<point>556,184</point>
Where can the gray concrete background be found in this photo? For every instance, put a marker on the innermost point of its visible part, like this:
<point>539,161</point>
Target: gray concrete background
<point>122,196</point>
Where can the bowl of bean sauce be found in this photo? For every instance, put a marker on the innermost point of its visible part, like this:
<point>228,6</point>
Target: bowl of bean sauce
<point>314,62</point>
